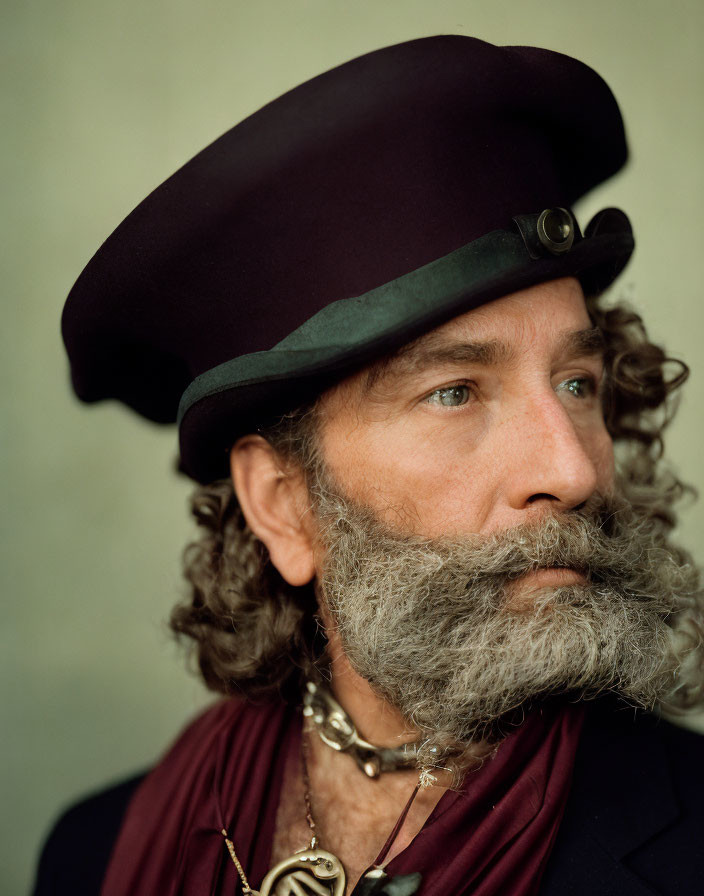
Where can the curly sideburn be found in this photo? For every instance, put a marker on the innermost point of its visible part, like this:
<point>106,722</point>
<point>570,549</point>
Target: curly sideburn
<point>255,635</point>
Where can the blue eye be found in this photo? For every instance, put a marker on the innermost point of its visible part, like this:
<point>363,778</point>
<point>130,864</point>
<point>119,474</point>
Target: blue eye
<point>450,396</point>
<point>580,387</point>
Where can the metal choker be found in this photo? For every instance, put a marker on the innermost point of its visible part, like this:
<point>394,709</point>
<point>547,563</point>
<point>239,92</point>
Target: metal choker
<point>337,730</point>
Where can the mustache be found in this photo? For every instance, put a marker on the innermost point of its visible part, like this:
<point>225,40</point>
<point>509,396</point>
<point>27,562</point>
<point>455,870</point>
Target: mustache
<point>604,540</point>
<point>582,540</point>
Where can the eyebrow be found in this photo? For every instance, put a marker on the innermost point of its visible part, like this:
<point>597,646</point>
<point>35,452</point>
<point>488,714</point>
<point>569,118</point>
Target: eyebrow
<point>432,350</point>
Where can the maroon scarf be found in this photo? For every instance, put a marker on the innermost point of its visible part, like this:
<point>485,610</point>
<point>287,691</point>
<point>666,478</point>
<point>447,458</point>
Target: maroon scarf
<point>226,771</point>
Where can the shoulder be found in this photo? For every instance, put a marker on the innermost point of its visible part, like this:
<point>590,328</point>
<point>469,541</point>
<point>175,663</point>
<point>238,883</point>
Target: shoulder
<point>636,809</point>
<point>673,861</point>
<point>78,848</point>
<point>76,852</point>
<point>644,743</point>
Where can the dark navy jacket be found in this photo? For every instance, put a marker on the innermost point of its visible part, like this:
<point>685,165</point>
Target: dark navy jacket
<point>634,823</point>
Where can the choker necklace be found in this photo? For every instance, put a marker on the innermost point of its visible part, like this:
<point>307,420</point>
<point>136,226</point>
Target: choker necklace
<point>316,871</point>
<point>337,730</point>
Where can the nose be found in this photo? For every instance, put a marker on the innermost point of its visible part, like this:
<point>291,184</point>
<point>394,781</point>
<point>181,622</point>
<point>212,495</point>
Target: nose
<point>554,460</point>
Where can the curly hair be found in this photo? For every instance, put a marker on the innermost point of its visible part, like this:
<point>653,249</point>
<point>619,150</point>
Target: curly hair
<point>256,635</point>
<point>253,633</point>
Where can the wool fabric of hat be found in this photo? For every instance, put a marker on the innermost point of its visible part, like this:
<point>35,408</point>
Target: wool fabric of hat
<point>342,220</point>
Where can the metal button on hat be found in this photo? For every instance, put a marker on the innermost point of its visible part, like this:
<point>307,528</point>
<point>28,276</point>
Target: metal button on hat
<point>556,230</point>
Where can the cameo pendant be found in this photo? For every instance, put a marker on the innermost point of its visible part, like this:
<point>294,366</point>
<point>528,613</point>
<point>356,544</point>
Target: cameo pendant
<point>311,872</point>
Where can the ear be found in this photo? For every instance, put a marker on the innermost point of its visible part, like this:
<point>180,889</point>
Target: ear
<point>275,504</point>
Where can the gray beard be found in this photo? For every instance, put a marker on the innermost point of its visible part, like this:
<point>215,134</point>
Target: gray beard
<point>435,628</point>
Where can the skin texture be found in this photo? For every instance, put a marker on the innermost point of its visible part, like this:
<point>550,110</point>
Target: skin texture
<point>519,447</point>
<point>488,422</point>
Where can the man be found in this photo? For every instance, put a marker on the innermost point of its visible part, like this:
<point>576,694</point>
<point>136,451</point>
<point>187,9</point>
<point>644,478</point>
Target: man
<point>375,316</point>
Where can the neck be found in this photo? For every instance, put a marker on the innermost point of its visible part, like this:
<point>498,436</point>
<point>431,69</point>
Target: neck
<point>376,720</point>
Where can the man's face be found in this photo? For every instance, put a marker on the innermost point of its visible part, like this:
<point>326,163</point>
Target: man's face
<point>472,550</point>
<point>474,553</point>
<point>491,421</point>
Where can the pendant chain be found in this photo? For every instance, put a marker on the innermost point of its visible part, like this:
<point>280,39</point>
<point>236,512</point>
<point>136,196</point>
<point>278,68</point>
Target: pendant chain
<point>374,871</point>
<point>246,889</point>
<point>314,841</point>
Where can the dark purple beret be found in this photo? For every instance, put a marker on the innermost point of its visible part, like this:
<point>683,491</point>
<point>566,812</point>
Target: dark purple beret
<point>355,212</point>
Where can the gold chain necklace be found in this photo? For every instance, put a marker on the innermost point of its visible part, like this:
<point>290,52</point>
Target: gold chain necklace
<point>313,870</point>
<point>309,870</point>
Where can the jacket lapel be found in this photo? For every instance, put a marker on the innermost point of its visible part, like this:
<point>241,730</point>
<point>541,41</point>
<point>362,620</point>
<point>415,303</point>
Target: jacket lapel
<point>621,797</point>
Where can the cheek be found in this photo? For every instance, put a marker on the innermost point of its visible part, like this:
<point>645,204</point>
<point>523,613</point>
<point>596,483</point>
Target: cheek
<point>429,486</point>
<point>602,454</point>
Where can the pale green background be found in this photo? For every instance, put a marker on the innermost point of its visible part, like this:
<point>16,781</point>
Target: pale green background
<point>102,101</point>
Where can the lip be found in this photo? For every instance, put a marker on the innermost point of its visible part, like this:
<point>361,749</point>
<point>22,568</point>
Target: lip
<point>552,577</point>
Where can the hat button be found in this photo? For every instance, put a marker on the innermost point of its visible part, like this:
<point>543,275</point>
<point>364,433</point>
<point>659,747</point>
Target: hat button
<point>556,230</point>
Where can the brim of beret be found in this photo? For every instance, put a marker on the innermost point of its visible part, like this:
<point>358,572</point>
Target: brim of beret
<point>226,402</point>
